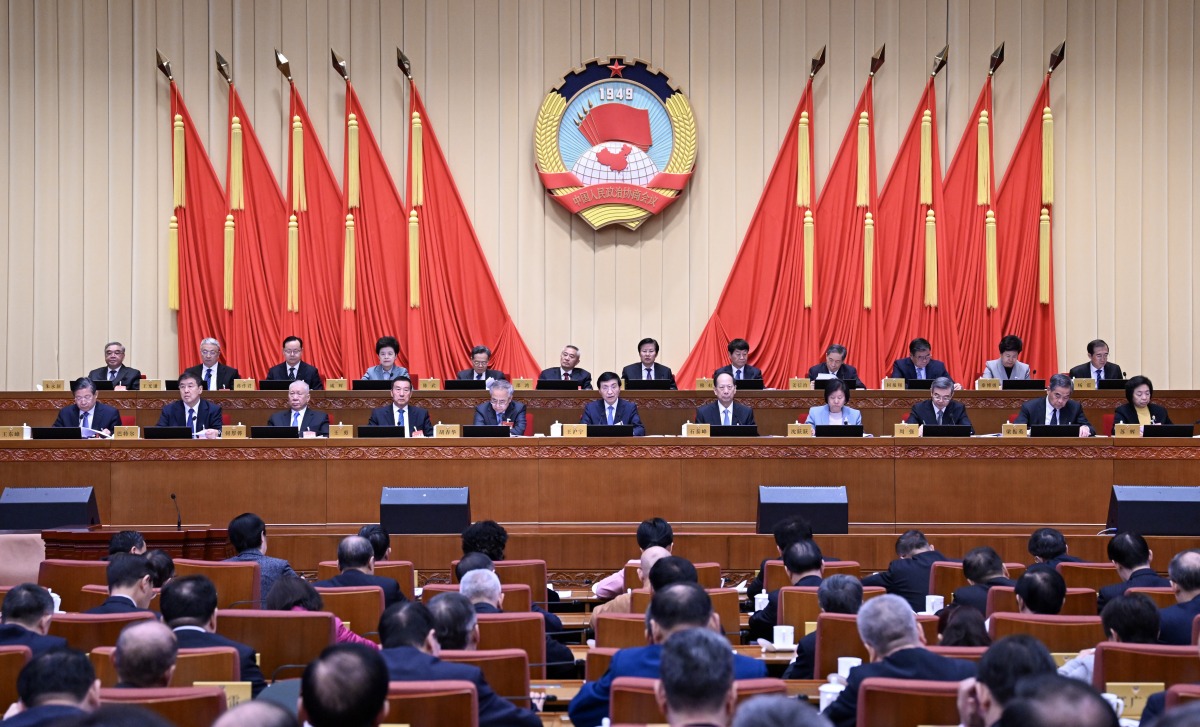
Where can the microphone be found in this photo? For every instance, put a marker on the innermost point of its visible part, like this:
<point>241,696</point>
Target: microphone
<point>178,516</point>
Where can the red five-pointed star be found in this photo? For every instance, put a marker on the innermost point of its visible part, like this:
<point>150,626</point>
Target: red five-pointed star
<point>616,69</point>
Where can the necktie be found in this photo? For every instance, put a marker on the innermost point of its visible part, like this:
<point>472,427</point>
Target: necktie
<point>400,422</point>
<point>1054,418</point>
<point>649,374</point>
<point>725,414</point>
<point>738,375</point>
<point>610,414</point>
<point>478,377</point>
<point>1099,377</point>
<point>920,373</point>
<point>83,419</point>
<point>208,379</point>
<point>191,422</point>
<point>112,375</point>
<point>566,376</point>
<point>292,373</point>
<point>939,416</point>
<point>296,419</point>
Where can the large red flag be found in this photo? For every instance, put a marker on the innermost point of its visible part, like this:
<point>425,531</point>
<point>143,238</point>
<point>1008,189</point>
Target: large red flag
<point>375,266</point>
<point>913,254</point>
<point>1023,205</point>
<point>847,293</point>
<point>260,234</point>
<point>313,310</point>
<point>459,305</point>
<point>195,268</point>
<point>764,297</point>
<point>970,190</point>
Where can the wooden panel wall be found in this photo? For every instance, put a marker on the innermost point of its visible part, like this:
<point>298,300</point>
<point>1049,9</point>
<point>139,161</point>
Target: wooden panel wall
<point>85,151</point>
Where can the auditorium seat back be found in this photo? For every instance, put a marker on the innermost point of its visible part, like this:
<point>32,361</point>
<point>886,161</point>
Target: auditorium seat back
<point>400,571</point>
<point>180,706</point>
<point>359,606</point>
<point>86,631</point>
<point>433,704</point>
<point>524,631</point>
<point>516,595</point>
<point>1088,575</point>
<point>776,575</point>
<point>12,660</point>
<point>239,583</point>
<point>285,640</point>
<point>1124,662</point>
<point>505,670</point>
<point>68,577</point>
<point>1079,601</point>
<point>886,702</point>
<point>1060,634</point>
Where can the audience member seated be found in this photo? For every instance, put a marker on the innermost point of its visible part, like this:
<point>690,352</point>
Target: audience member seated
<point>739,353</point>
<point>835,366</point>
<point>1097,366</point>
<point>839,593</point>
<point>87,412</point>
<point>672,569</point>
<point>485,536</point>
<point>126,541</point>
<point>1131,554</point>
<point>940,408</point>
<point>654,532</point>
<point>410,650</point>
<point>55,686</point>
<point>258,713</point>
<point>309,422</point>
<point>1052,700</point>
<point>610,408</point>
<point>162,567</point>
<point>386,349</point>
<point>960,625</point>
<point>1049,548</point>
<point>1176,621</point>
<point>648,368</point>
<point>114,371</point>
<point>1056,408</point>
<point>501,409</point>
<point>920,363</point>
<point>356,561</point>
<point>1041,591</point>
<point>787,531</point>
<point>248,533</point>
<point>725,411</point>
<point>695,686</point>
<point>1186,714</point>
<point>192,411</point>
<point>1007,367</point>
<point>189,607</point>
<point>568,369</point>
<point>400,413</point>
<point>25,619</point>
<point>774,710</point>
<point>674,608</point>
<point>983,569</point>
<point>908,575</point>
<point>215,375</point>
<point>478,561</point>
<point>346,686</point>
<point>804,567</point>
<point>624,602</point>
<point>296,594</point>
<point>293,368</point>
<point>454,622</point>
<point>834,410</point>
<point>482,588</point>
<point>380,541</point>
<point>145,655</point>
<point>1140,410</point>
<point>896,649</point>
<point>1127,619</point>
<point>130,585</point>
<point>981,700</point>
<point>481,357</point>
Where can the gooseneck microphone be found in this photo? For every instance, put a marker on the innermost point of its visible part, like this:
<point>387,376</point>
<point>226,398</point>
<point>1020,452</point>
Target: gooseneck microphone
<point>178,516</point>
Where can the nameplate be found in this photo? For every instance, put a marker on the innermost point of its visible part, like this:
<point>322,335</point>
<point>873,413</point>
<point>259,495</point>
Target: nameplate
<point>12,432</point>
<point>800,430</point>
<point>54,385</point>
<point>127,433</point>
<point>341,431</point>
<point>245,385</point>
<point>1085,384</point>
<point>703,383</point>
<point>907,430</point>
<point>152,385</point>
<point>1127,430</point>
<point>890,384</point>
<point>1134,695</point>
<point>337,384</point>
<point>810,627</point>
<point>234,431</point>
<point>446,430</point>
<point>800,383</point>
<point>988,385</point>
<point>429,385</point>
<point>1062,657</point>
<point>696,430</point>
<point>1014,430</point>
<point>574,430</point>
<point>235,692</point>
<point>522,384</point>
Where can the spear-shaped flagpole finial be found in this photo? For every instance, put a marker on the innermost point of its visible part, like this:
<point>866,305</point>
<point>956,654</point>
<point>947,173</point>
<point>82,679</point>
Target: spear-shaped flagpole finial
<point>939,61</point>
<point>1057,56</point>
<point>223,67</point>
<point>997,59</point>
<point>818,62</point>
<point>339,65</point>
<point>878,59</point>
<point>281,62</point>
<point>404,63</point>
<point>164,65</point>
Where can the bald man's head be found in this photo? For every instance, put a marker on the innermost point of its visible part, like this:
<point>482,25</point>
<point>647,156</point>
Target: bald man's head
<point>650,556</point>
<point>145,654</point>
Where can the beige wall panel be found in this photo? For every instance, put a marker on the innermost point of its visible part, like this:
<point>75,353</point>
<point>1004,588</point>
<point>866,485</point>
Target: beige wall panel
<point>337,37</point>
<point>745,95</point>
<point>1179,194</point>
<point>154,329</point>
<point>673,56</point>
<point>1194,216</point>
<point>268,105</point>
<point>6,239</point>
<point>536,37</point>
<point>1103,188</point>
<point>723,202</point>
<point>394,108</point>
<point>637,307</point>
<point>22,80</point>
<point>107,258</point>
<point>47,292</point>
<point>1154,310</point>
<point>74,322</point>
<point>699,194</point>
<point>1127,197</point>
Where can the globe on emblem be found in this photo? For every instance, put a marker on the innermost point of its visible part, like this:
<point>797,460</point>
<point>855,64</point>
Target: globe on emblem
<point>615,161</point>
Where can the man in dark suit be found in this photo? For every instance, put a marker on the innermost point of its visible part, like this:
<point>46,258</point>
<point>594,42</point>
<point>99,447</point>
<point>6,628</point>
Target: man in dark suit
<point>115,371</point>
<point>310,422</point>
<point>674,608</point>
<point>940,408</point>
<point>55,687</point>
<point>739,352</point>
<point>647,368</point>
<point>1175,625</point>
<point>25,619</point>
<point>502,409</point>
<point>908,575</point>
<point>839,593</point>
<point>189,607</point>
<point>87,411</point>
<point>481,358</point>
<point>1097,367</point>
<point>248,534</point>
<point>410,649</point>
<point>1056,407</point>
<point>145,655</point>
<point>202,417</point>
<point>610,408</point>
<point>981,700</point>
<point>346,685</point>
<point>804,566</point>
<point>293,368</point>
<point>1049,548</point>
<point>920,363</point>
<point>129,585</point>
<point>725,411</point>
<point>356,561</point>
<point>696,679</point>
<point>983,569</point>
<point>568,369</point>
<point>1132,555</point>
<point>215,375</point>
<point>896,649</point>
<point>1041,591</point>
<point>482,588</point>
<point>835,364</point>
<point>399,413</point>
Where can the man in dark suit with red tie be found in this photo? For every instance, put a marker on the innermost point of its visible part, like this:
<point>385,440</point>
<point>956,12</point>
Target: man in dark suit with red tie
<point>568,369</point>
<point>293,368</point>
<point>87,411</point>
<point>647,368</point>
<point>400,413</point>
<point>192,411</point>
